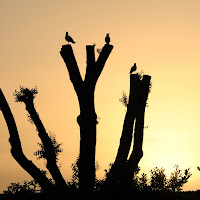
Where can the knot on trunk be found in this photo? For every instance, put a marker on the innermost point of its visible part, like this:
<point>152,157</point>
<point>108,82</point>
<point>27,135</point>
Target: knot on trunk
<point>87,118</point>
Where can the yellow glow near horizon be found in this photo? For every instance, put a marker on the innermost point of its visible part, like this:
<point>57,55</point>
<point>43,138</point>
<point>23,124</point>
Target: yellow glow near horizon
<point>162,37</point>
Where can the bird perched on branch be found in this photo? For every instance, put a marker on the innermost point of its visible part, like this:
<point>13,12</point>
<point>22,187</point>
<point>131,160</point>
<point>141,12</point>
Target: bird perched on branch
<point>69,39</point>
<point>107,38</point>
<point>133,69</point>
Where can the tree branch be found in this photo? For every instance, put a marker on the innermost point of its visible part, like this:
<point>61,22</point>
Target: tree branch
<point>90,69</point>
<point>70,61</point>
<point>103,56</point>
<point>94,69</point>
<point>16,149</point>
<point>48,148</point>
<point>127,131</point>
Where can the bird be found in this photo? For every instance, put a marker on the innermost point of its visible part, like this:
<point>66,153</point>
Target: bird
<point>107,38</point>
<point>69,39</point>
<point>133,69</point>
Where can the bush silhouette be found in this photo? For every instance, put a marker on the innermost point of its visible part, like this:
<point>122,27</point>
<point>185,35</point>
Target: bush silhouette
<point>177,179</point>
<point>159,181</point>
<point>24,188</point>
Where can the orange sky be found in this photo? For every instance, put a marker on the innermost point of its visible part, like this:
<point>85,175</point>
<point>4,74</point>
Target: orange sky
<point>161,36</point>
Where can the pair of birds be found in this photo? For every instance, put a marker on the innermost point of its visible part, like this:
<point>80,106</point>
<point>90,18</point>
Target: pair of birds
<point>69,38</point>
<point>107,40</point>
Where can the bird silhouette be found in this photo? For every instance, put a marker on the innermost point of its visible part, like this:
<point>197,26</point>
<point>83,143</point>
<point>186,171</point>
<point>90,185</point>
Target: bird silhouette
<point>107,38</point>
<point>69,39</point>
<point>133,69</point>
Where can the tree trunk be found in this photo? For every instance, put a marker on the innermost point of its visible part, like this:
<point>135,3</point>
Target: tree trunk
<point>137,152</point>
<point>122,171</point>
<point>87,119</point>
<point>127,131</point>
<point>16,148</point>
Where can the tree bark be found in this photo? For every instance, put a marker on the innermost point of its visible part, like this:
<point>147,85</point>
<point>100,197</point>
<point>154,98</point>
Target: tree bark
<point>123,168</point>
<point>87,119</point>
<point>16,148</point>
<point>127,131</point>
<point>48,148</point>
<point>137,152</point>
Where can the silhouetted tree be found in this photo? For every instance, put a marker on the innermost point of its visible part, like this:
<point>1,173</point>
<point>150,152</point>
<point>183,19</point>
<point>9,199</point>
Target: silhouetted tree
<point>123,168</point>
<point>50,148</point>
<point>16,148</point>
<point>87,119</point>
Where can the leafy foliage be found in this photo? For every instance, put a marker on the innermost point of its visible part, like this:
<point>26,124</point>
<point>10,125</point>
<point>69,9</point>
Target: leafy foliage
<point>143,182</point>
<point>25,187</point>
<point>177,179</point>
<point>57,148</point>
<point>124,99</point>
<point>24,94</point>
<point>73,184</point>
<point>158,181</point>
<point>108,170</point>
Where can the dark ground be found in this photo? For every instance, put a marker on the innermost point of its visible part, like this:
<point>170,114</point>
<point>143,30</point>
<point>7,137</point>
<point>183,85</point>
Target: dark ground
<point>97,196</point>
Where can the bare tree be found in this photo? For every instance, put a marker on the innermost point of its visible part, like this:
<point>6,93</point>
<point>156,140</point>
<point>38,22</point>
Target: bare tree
<point>87,119</point>
<point>122,170</point>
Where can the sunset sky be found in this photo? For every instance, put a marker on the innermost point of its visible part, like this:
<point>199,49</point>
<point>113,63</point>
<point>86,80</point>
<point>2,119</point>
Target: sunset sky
<point>161,36</point>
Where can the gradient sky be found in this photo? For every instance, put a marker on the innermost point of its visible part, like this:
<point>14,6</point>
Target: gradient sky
<point>161,36</point>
